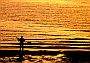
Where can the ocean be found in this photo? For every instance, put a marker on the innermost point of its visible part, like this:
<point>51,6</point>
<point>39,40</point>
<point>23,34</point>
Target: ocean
<point>61,26</point>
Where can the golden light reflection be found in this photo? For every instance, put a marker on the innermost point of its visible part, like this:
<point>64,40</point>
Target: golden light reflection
<point>60,2</point>
<point>35,19</point>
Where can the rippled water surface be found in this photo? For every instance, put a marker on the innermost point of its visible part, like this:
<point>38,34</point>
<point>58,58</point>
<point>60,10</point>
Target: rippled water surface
<point>44,21</point>
<point>66,24</point>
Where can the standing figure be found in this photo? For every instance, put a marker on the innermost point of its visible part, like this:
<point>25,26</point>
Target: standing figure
<point>21,40</point>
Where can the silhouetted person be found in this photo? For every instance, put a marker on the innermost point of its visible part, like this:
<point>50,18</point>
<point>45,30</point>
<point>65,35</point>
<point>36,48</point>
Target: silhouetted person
<point>21,40</point>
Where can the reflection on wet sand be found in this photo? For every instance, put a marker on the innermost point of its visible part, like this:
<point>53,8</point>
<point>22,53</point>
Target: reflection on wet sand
<point>38,59</point>
<point>61,58</point>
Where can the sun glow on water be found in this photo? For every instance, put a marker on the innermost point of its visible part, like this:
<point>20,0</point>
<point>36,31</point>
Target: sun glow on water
<point>56,19</point>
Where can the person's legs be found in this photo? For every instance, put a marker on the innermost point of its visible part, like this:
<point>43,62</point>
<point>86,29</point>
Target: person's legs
<point>20,47</point>
<point>21,52</point>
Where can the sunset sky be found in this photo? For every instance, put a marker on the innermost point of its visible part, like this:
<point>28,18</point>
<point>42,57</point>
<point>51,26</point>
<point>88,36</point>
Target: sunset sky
<point>44,19</point>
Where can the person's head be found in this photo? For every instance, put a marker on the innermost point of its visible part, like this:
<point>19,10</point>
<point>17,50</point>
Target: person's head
<point>21,36</point>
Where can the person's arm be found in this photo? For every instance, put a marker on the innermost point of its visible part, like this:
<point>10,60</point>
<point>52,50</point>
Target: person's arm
<point>24,40</point>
